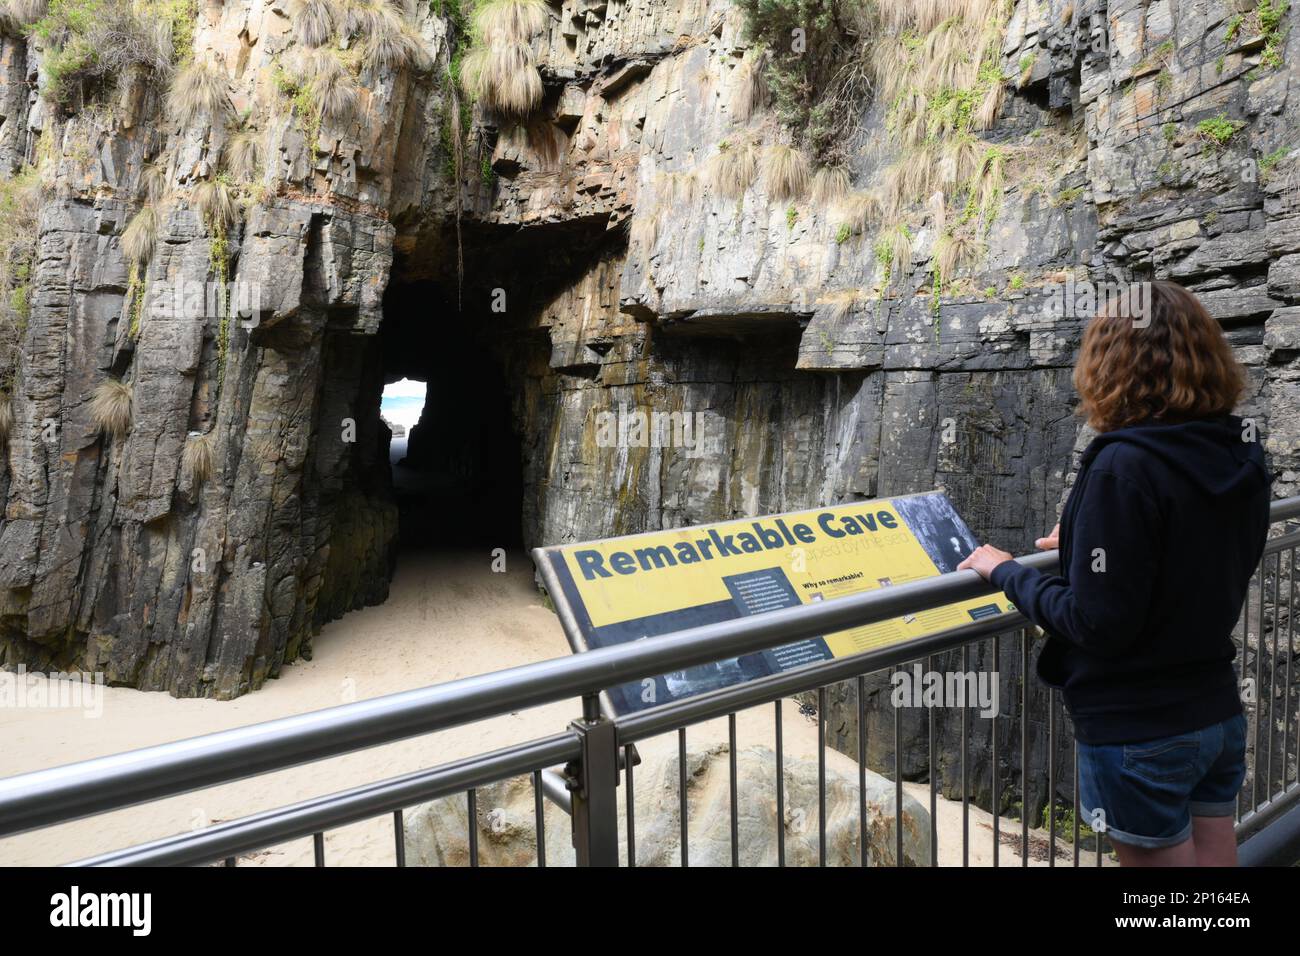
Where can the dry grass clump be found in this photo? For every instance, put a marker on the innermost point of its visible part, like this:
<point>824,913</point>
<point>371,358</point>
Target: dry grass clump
<point>391,42</point>
<point>110,408</point>
<point>199,91</point>
<point>503,77</point>
<point>910,181</point>
<point>153,183</point>
<point>511,21</point>
<point>500,70</point>
<point>140,236</point>
<point>785,172</point>
<point>750,92</point>
<point>955,251</point>
<point>313,23</point>
<point>922,16</point>
<point>243,156</point>
<point>829,185</point>
<point>990,106</point>
<point>858,210</point>
<point>676,189</point>
<point>196,459</point>
<point>941,74</point>
<point>334,89</point>
<point>894,250</point>
<point>216,204</point>
<point>958,158</point>
<point>732,169</point>
<point>987,181</point>
<point>15,15</point>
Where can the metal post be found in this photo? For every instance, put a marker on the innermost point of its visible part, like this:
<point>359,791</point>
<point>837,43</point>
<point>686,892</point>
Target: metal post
<point>593,781</point>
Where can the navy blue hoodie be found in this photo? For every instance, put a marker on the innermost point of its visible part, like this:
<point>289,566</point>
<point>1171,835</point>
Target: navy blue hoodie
<point>1159,538</point>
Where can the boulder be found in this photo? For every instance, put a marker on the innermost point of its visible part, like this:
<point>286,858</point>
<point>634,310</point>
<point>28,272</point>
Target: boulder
<point>437,832</point>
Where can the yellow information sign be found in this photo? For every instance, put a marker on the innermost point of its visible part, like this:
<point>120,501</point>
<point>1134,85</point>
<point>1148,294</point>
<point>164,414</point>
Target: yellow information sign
<point>625,589</point>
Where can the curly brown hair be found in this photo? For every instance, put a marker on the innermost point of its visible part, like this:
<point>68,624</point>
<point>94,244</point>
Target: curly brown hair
<point>1155,355</point>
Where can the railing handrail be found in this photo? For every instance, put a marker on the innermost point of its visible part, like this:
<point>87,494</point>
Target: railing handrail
<point>72,791</point>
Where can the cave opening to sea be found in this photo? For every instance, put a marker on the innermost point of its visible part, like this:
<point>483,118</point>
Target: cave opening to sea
<point>457,478</point>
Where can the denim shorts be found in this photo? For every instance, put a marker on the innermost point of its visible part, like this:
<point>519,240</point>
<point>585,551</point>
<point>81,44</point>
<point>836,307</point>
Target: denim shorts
<point>1146,794</point>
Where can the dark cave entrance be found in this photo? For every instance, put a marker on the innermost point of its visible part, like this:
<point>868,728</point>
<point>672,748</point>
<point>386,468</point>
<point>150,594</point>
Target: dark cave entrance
<point>457,473</point>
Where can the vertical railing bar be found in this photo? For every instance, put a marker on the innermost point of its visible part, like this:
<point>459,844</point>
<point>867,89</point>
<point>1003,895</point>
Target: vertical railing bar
<point>862,769</point>
<point>1292,604</point>
<point>1259,689</point>
<point>1051,777</point>
<point>399,838</point>
<point>821,776</point>
<point>681,787</point>
<point>965,774</point>
<point>1024,746</point>
<point>318,848</point>
<point>996,771</point>
<point>1241,677</point>
<point>934,776</point>
<point>735,799</point>
<point>1074,786</point>
<point>1272,673</point>
<point>539,819</point>
<point>898,784</point>
<point>780,789</point>
<point>628,753</point>
<point>471,802</point>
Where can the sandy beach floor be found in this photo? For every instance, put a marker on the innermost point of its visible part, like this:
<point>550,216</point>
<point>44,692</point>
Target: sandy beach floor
<point>448,616</point>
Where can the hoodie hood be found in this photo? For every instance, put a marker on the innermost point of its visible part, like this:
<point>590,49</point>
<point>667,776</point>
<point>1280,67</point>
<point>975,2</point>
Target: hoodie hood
<point>1211,453</point>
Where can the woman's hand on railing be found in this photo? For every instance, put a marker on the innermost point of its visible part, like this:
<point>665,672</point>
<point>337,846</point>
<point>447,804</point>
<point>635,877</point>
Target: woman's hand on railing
<point>984,559</point>
<point>1052,541</point>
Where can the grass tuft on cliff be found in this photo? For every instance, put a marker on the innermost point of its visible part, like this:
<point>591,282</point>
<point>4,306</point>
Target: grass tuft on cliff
<point>856,213</point>
<point>499,69</point>
<point>140,236</point>
<point>243,155</point>
<point>785,172</point>
<point>153,184</point>
<point>750,93</point>
<point>954,251</point>
<point>829,185</point>
<point>732,169</point>
<point>509,21</point>
<point>313,22</point>
<point>334,89</point>
<point>17,15</point>
<point>199,92</point>
<point>197,459</point>
<point>110,408</point>
<point>215,201</point>
<point>502,77</point>
<point>391,42</point>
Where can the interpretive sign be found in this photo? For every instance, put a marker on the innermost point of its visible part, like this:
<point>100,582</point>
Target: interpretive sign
<point>640,586</point>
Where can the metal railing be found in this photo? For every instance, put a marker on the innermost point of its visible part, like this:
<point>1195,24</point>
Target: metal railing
<point>599,754</point>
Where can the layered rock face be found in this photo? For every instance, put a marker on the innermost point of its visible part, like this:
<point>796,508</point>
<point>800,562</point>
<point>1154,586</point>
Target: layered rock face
<point>587,253</point>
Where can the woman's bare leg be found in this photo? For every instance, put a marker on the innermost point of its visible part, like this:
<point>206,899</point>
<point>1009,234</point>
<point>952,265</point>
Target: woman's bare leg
<point>1215,840</point>
<point>1184,854</point>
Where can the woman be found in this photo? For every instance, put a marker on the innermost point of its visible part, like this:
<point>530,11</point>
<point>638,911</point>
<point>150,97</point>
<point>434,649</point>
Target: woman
<point>1158,539</point>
